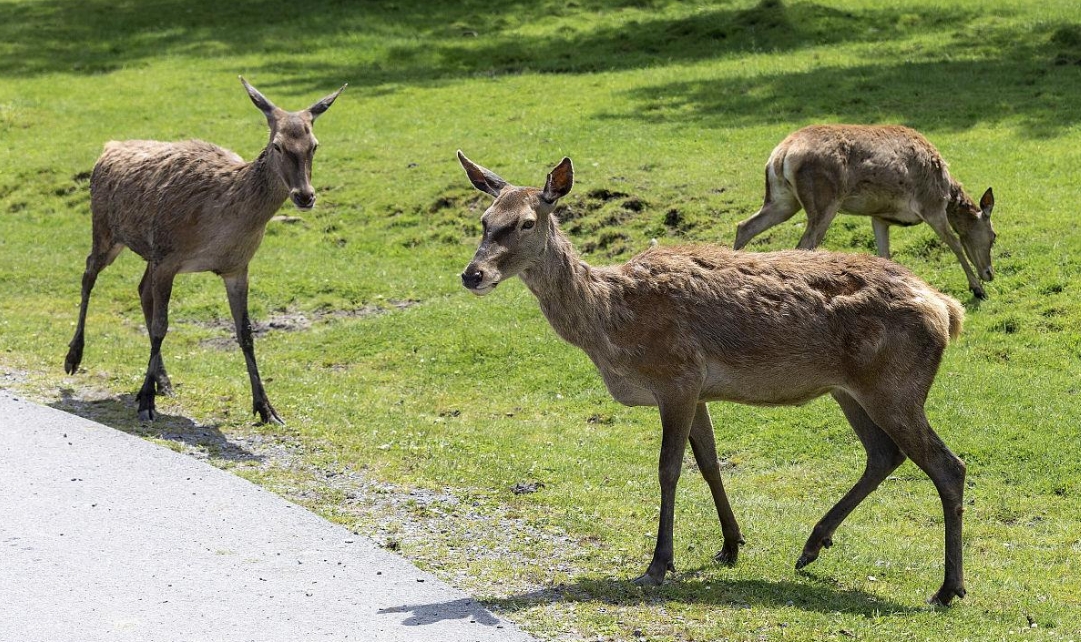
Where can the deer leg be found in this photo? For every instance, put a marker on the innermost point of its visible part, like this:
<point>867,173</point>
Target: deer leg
<point>882,236</point>
<point>236,288</point>
<point>819,198</point>
<point>773,212</point>
<point>705,454</point>
<point>146,298</point>
<point>910,430</point>
<point>883,457</point>
<point>676,418</point>
<point>940,224</point>
<point>99,258</point>
<point>161,288</point>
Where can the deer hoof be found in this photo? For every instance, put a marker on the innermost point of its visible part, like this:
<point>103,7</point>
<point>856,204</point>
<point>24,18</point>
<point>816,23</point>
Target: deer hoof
<point>71,363</point>
<point>267,414</point>
<point>945,595</point>
<point>806,558</point>
<point>728,554</point>
<point>979,293</point>
<point>147,414</point>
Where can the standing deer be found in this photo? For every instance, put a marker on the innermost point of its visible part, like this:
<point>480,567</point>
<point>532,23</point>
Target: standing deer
<point>194,207</point>
<point>890,173</point>
<point>676,327</point>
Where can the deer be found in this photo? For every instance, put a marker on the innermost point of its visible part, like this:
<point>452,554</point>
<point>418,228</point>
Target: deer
<point>193,206</point>
<point>888,172</point>
<point>676,327</point>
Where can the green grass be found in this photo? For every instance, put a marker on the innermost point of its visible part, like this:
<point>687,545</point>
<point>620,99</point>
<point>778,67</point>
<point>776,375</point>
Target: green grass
<point>669,111</point>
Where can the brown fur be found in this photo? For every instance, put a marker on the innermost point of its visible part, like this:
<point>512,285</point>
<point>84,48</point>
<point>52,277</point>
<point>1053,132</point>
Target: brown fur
<point>194,207</point>
<point>676,327</point>
<point>890,173</point>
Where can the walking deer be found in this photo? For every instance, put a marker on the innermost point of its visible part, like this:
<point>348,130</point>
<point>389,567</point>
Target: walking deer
<point>890,173</point>
<point>194,207</point>
<point>676,327</point>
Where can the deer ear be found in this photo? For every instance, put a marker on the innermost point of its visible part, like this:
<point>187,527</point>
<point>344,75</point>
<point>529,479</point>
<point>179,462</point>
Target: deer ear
<point>559,182</point>
<point>483,179</point>
<point>259,99</point>
<point>987,202</point>
<point>324,104</point>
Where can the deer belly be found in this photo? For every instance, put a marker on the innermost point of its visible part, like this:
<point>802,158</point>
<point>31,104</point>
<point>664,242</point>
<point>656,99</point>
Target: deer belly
<point>764,386</point>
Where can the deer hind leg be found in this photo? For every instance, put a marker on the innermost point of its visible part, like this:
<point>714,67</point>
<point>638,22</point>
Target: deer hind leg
<point>778,208</point>
<point>676,418</point>
<point>146,298</point>
<point>102,254</point>
<point>236,288</point>
<point>160,285</point>
<point>909,429</point>
<point>819,197</point>
<point>705,454</point>
<point>883,457</point>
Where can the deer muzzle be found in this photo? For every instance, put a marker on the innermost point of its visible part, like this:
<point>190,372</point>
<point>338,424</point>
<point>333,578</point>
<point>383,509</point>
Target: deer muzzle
<point>304,199</point>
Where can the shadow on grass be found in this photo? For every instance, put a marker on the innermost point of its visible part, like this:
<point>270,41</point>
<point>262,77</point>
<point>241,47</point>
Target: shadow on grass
<point>978,67</point>
<point>427,40</point>
<point>813,594</point>
<point>120,413</point>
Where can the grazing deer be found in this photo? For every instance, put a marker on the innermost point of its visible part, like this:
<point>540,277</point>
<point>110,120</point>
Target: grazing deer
<point>194,207</point>
<point>890,173</point>
<point>676,327</point>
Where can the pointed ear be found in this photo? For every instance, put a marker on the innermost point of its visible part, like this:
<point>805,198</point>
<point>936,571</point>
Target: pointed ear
<point>259,99</point>
<point>324,104</point>
<point>987,203</point>
<point>483,179</point>
<point>559,182</point>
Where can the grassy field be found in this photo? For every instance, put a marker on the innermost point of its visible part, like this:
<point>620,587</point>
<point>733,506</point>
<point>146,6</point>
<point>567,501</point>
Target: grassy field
<point>413,409</point>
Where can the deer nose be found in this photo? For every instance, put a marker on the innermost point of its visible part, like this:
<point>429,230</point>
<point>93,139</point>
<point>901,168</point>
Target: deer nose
<point>303,199</point>
<point>471,278</point>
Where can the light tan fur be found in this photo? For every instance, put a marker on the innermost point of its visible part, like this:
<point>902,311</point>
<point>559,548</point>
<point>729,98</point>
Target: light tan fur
<point>890,173</point>
<point>192,206</point>
<point>676,327</point>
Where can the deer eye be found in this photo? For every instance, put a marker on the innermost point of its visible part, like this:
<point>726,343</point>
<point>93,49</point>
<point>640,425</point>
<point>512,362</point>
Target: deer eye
<point>528,224</point>
<point>277,147</point>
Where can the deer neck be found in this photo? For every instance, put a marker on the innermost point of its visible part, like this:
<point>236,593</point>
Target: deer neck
<point>261,189</point>
<point>572,295</point>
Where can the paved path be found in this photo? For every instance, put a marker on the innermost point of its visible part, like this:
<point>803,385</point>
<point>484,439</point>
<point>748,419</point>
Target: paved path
<point>105,536</point>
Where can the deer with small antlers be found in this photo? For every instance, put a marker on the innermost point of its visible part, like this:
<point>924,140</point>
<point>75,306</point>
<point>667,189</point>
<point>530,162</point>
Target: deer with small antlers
<point>195,207</point>
<point>676,327</point>
<point>888,172</point>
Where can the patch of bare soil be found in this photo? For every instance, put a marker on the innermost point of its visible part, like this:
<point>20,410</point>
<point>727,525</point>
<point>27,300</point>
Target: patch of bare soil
<point>290,321</point>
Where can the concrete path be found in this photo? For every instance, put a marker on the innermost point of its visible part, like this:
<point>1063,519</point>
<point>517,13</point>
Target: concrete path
<point>105,536</point>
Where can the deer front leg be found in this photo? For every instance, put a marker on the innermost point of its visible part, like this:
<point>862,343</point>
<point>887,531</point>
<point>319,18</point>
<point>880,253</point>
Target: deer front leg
<point>940,224</point>
<point>161,288</point>
<point>705,454</point>
<point>676,419</point>
<point>236,287</point>
<point>882,236</point>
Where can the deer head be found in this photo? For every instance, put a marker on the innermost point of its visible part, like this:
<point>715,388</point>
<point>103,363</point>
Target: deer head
<point>973,227</point>
<point>292,144</point>
<point>515,227</point>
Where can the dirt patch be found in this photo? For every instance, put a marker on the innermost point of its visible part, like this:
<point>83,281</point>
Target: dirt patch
<point>295,321</point>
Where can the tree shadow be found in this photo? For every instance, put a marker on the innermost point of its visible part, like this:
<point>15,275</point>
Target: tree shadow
<point>816,594</point>
<point>428,41</point>
<point>119,413</point>
<point>1033,78</point>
